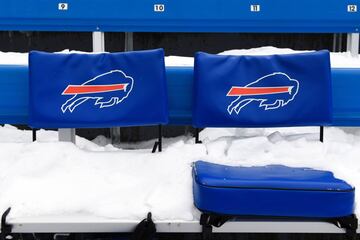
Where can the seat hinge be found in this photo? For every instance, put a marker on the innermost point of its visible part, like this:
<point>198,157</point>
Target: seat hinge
<point>5,228</point>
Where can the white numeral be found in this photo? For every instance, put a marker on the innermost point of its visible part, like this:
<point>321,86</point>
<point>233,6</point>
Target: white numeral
<point>255,8</point>
<point>63,6</point>
<point>352,8</point>
<point>159,7</point>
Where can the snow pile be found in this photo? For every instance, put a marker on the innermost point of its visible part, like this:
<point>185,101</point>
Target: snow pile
<point>53,178</point>
<point>95,178</point>
<point>338,60</point>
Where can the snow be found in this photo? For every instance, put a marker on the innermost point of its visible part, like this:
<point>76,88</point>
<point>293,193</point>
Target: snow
<point>338,60</point>
<point>95,178</point>
<point>51,178</point>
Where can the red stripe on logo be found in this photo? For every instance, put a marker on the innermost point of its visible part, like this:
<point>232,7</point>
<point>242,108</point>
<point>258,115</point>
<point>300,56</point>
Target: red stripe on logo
<point>86,89</point>
<point>245,91</point>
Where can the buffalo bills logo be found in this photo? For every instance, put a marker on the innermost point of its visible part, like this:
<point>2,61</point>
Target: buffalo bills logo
<point>107,90</point>
<point>271,91</point>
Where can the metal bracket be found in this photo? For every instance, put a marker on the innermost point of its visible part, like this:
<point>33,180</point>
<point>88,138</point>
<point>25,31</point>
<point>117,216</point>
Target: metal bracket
<point>5,228</point>
<point>206,227</point>
<point>207,221</point>
<point>207,233</point>
<point>350,224</point>
<point>322,134</point>
<point>145,230</point>
<point>34,135</point>
<point>197,138</point>
<point>158,143</point>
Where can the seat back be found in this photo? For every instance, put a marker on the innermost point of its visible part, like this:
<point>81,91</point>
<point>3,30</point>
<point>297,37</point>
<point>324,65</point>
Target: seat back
<point>262,91</point>
<point>97,90</point>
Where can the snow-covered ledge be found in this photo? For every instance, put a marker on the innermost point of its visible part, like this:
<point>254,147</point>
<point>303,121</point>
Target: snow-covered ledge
<point>338,60</point>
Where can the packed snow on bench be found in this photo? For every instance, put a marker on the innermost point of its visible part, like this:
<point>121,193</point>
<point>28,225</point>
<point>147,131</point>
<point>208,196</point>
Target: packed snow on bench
<point>94,178</point>
<point>338,60</point>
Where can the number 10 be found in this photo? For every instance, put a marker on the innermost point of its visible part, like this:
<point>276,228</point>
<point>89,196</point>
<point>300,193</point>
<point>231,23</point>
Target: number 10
<point>159,7</point>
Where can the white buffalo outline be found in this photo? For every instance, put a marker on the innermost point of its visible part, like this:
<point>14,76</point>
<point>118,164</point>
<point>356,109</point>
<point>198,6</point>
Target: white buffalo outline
<point>114,100</point>
<point>278,103</point>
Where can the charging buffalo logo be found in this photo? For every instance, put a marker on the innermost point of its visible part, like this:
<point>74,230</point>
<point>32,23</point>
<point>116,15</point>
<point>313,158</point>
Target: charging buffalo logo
<point>271,91</point>
<point>107,90</point>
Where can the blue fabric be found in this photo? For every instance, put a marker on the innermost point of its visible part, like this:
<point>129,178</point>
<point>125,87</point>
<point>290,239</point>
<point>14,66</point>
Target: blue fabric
<point>262,91</point>
<point>180,89</point>
<point>273,190</point>
<point>14,94</point>
<point>97,90</point>
<point>346,96</point>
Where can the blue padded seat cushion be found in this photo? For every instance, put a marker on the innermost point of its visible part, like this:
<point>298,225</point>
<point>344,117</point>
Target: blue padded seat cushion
<point>273,190</point>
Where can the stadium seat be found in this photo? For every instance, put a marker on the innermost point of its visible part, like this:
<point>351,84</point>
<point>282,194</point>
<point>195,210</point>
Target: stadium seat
<point>227,192</point>
<point>266,91</point>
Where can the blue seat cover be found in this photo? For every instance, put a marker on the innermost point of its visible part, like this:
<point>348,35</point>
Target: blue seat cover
<point>262,91</point>
<point>273,190</point>
<point>97,90</point>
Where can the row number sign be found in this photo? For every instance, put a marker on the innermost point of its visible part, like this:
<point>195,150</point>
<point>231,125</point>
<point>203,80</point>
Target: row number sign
<point>63,6</point>
<point>159,8</point>
<point>352,8</point>
<point>255,8</point>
